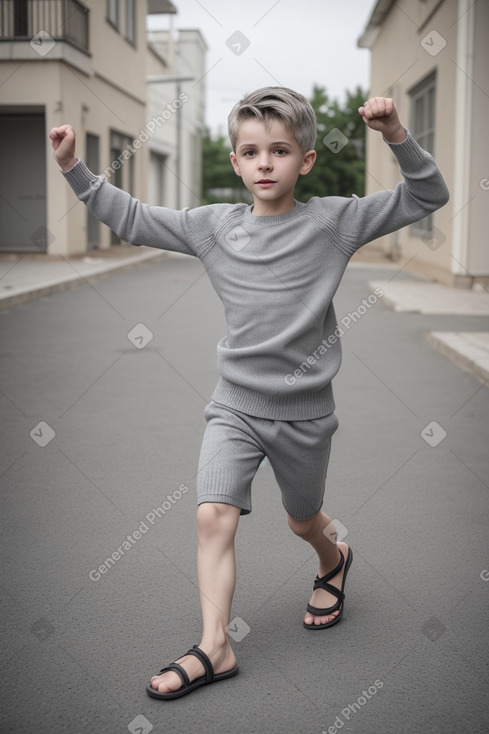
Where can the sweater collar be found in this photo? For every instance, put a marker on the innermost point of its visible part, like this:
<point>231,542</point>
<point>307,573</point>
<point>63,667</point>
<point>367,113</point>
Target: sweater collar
<point>265,221</point>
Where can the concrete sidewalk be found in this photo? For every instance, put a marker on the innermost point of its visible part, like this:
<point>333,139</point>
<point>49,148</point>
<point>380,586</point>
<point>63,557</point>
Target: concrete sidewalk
<point>27,277</point>
<point>468,350</point>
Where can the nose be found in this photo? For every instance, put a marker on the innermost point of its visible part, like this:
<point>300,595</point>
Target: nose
<point>265,163</point>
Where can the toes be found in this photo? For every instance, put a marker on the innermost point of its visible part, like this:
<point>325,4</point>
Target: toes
<point>309,619</point>
<point>330,617</point>
<point>165,683</point>
<point>169,686</point>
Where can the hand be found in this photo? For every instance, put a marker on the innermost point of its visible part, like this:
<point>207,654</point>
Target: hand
<point>380,114</point>
<point>63,140</point>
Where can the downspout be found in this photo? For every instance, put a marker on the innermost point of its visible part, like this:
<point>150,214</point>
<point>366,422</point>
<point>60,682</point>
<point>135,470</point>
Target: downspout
<point>463,138</point>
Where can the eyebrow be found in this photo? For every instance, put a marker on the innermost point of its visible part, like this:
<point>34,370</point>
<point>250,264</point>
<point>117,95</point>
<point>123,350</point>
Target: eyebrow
<point>275,142</point>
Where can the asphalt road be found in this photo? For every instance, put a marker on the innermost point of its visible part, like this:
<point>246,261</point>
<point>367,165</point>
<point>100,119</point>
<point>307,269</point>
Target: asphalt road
<point>102,396</point>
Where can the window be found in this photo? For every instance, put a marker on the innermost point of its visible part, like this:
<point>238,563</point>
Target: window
<point>423,129</point>
<point>21,18</point>
<point>113,12</point>
<point>131,21</point>
<point>93,163</point>
<point>122,165</point>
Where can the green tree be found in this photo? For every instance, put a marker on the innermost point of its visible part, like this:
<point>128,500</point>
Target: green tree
<point>340,166</point>
<point>219,181</point>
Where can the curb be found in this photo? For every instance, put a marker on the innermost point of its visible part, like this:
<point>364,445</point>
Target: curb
<point>76,279</point>
<point>456,346</point>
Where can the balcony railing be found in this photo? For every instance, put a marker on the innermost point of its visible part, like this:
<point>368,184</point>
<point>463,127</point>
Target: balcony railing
<point>64,20</point>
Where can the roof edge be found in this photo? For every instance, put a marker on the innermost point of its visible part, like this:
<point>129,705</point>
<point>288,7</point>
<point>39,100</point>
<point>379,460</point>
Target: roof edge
<point>160,7</point>
<point>374,23</point>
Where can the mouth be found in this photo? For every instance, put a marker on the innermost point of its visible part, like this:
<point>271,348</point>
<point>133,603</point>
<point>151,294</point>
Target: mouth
<point>265,182</point>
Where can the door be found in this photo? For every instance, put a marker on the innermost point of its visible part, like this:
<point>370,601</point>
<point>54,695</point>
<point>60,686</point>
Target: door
<point>156,179</point>
<point>23,183</point>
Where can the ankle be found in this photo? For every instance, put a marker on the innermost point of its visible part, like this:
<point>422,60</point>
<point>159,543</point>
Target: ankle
<point>215,643</point>
<point>326,565</point>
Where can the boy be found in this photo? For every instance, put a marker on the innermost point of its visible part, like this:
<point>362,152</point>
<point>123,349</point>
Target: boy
<point>276,266</point>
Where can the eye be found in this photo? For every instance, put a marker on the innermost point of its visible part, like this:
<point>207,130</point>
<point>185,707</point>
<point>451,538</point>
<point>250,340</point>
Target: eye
<point>248,153</point>
<point>281,152</point>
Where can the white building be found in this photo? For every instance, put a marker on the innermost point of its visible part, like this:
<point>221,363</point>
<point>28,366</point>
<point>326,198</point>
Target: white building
<point>176,107</point>
<point>432,57</point>
<point>86,63</point>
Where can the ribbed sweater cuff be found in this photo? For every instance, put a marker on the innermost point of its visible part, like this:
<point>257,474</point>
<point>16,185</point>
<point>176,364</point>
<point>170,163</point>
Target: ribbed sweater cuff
<point>408,153</point>
<point>298,407</point>
<point>81,179</point>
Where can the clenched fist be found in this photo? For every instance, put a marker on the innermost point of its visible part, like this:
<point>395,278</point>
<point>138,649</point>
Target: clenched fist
<point>380,114</point>
<point>63,140</point>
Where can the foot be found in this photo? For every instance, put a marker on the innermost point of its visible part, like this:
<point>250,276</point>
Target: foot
<point>324,599</point>
<point>221,657</point>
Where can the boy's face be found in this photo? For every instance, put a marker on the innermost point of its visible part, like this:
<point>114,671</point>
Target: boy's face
<point>269,160</point>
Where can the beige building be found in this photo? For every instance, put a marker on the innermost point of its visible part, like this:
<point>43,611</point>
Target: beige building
<point>176,64</point>
<point>87,63</point>
<point>432,58</point>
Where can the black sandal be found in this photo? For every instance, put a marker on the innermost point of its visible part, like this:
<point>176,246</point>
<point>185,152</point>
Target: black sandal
<point>187,686</point>
<point>322,583</point>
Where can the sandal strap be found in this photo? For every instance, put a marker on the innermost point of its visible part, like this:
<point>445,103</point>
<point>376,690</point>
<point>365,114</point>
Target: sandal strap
<point>318,612</point>
<point>340,595</point>
<point>318,582</point>
<point>177,669</point>
<point>322,583</point>
<point>208,667</point>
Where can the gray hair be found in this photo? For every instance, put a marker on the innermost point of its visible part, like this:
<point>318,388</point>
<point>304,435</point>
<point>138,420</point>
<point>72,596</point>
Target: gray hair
<point>276,103</point>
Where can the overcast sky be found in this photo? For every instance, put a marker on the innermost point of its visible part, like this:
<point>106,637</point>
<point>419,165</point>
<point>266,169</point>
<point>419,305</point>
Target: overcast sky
<point>291,43</point>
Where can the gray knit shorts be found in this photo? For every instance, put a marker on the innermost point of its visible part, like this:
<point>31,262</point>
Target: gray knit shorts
<point>235,444</point>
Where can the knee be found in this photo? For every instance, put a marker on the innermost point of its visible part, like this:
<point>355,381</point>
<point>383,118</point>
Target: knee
<point>303,528</point>
<point>217,518</point>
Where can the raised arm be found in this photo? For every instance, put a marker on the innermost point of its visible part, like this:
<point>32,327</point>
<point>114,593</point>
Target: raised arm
<point>422,191</point>
<point>132,221</point>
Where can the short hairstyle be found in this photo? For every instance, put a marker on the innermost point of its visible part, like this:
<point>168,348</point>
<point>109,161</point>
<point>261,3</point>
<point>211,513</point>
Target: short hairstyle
<point>276,103</point>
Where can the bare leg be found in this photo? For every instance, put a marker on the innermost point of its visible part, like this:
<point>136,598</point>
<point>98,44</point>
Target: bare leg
<point>217,523</point>
<point>329,557</point>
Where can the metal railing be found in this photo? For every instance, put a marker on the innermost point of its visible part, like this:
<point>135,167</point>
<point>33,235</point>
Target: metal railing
<point>64,20</point>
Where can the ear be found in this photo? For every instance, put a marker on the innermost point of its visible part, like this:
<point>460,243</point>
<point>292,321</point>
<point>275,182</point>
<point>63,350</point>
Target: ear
<point>307,162</point>
<point>234,162</point>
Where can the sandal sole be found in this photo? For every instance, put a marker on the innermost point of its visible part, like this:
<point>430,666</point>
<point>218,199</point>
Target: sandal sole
<point>185,690</point>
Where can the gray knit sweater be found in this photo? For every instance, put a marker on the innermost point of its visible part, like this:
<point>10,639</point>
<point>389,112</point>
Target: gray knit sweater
<point>276,276</point>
